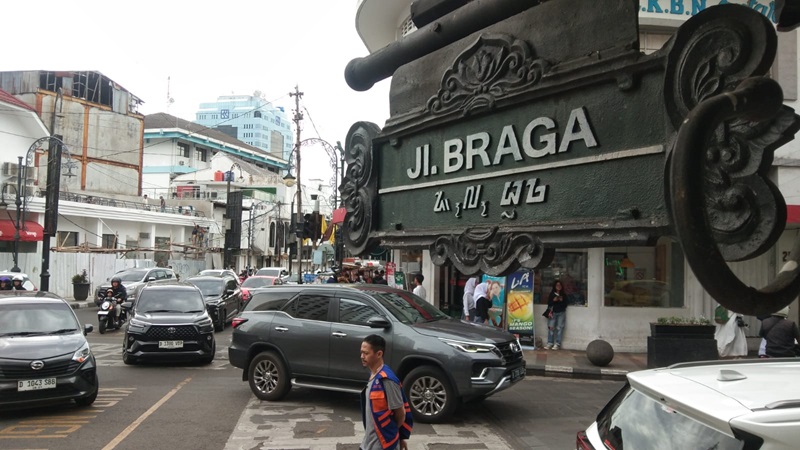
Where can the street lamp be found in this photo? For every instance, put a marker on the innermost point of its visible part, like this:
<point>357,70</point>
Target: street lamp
<point>18,203</point>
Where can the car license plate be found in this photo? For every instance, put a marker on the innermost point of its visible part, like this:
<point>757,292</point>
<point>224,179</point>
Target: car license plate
<point>170,344</point>
<point>35,385</point>
<point>517,373</point>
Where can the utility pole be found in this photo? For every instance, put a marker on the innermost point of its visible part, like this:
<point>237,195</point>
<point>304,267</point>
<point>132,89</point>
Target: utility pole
<point>298,117</point>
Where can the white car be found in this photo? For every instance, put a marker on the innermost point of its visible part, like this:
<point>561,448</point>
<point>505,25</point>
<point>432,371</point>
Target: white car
<point>743,404</point>
<point>26,283</point>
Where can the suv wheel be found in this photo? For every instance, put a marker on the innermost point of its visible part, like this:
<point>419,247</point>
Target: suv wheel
<point>220,325</point>
<point>127,358</point>
<point>268,377</point>
<point>430,395</point>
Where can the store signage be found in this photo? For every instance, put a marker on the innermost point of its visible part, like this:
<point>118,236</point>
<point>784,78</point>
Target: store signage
<point>681,9</point>
<point>537,133</point>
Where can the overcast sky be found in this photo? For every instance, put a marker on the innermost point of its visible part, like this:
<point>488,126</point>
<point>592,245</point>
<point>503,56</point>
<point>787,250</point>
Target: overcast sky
<point>207,49</point>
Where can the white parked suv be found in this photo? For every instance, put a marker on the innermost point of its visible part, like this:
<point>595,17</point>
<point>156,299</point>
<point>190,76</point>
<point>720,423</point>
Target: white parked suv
<point>743,404</point>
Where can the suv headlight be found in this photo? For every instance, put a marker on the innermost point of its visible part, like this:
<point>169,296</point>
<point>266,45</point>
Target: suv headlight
<point>205,322</point>
<point>137,323</point>
<point>83,353</point>
<point>469,347</point>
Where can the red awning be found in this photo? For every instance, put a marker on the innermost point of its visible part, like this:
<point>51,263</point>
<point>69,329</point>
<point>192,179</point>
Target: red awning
<point>30,232</point>
<point>792,214</point>
<point>338,216</point>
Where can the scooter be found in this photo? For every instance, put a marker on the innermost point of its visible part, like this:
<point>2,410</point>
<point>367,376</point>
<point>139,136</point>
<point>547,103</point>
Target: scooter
<point>105,315</point>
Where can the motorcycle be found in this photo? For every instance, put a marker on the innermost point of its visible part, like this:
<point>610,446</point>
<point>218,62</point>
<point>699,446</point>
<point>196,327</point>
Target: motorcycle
<point>105,315</point>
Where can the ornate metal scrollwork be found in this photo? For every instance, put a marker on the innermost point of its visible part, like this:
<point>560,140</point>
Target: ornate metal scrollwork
<point>489,251</point>
<point>755,99</point>
<point>494,67</point>
<point>359,188</point>
<point>724,206</point>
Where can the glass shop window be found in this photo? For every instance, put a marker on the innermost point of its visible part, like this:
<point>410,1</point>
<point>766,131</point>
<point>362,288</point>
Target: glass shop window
<point>569,267</point>
<point>649,277</point>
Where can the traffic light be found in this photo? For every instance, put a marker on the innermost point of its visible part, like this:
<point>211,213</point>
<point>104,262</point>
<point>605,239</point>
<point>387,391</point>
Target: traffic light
<point>308,226</point>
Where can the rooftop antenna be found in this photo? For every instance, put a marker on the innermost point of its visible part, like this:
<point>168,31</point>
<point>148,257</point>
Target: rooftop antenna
<point>170,100</point>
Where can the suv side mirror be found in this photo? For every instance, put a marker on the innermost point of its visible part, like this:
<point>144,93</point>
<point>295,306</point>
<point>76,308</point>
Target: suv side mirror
<point>230,291</point>
<point>87,329</point>
<point>151,278</point>
<point>378,322</point>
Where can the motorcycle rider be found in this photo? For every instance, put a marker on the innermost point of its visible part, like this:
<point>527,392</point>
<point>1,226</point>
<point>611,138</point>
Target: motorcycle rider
<point>16,282</point>
<point>120,293</point>
<point>5,284</point>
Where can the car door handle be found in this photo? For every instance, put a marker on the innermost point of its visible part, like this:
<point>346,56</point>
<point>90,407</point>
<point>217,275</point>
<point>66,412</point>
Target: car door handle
<point>338,334</point>
<point>281,329</point>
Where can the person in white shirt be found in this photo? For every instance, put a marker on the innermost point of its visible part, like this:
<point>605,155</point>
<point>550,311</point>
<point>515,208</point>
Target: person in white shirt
<point>419,291</point>
<point>468,299</point>
<point>482,302</point>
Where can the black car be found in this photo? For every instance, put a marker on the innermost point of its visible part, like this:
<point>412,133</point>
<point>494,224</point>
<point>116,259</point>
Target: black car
<point>44,355</point>
<point>222,295</point>
<point>169,322</point>
<point>310,335</point>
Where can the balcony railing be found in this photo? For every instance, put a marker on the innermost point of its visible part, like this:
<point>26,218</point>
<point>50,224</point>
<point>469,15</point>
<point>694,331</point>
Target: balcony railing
<point>153,205</point>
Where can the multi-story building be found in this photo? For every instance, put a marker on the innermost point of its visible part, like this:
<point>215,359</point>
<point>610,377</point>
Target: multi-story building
<point>250,119</point>
<point>605,302</point>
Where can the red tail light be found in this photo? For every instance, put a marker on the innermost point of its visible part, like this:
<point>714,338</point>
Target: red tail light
<point>582,442</point>
<point>238,321</point>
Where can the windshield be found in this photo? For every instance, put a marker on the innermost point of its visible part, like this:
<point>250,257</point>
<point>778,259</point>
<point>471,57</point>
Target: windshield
<point>36,318</point>
<point>131,276</point>
<point>209,287</point>
<point>633,420</point>
<point>168,300</point>
<point>210,272</point>
<point>269,272</point>
<point>407,307</point>
<point>257,282</point>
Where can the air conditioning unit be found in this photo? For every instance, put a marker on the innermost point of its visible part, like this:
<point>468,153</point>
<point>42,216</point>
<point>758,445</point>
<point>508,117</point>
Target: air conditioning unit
<point>213,194</point>
<point>144,235</point>
<point>181,163</point>
<point>11,169</point>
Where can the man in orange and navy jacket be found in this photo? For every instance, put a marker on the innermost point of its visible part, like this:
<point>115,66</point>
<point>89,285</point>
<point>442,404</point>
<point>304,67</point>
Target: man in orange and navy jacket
<point>386,416</point>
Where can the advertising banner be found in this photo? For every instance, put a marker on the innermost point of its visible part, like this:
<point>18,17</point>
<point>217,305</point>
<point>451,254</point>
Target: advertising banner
<point>390,269</point>
<point>520,302</point>
<point>497,294</point>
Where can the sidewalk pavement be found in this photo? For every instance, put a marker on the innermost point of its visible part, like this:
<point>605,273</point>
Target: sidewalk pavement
<point>564,363</point>
<point>574,363</point>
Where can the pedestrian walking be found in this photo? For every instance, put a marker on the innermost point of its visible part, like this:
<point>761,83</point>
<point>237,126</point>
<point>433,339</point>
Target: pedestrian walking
<point>557,305</point>
<point>163,204</point>
<point>781,335</point>
<point>385,412</point>
<point>482,303</point>
<point>419,291</point>
<point>146,202</point>
<point>469,298</point>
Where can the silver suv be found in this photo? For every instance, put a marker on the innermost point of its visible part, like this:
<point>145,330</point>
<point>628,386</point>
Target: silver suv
<point>134,279</point>
<point>310,335</point>
<point>744,404</point>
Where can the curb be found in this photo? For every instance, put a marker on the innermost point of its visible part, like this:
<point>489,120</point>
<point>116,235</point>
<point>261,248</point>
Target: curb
<point>577,372</point>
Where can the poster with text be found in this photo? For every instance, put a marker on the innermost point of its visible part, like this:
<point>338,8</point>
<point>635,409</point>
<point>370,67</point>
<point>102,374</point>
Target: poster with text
<point>520,302</point>
<point>390,269</point>
<point>497,294</point>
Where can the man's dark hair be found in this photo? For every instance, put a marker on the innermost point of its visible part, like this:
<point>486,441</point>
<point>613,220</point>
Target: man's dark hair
<point>376,342</point>
<point>419,278</point>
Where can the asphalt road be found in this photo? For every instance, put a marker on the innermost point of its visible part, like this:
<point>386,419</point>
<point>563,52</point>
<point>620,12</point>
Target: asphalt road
<point>209,407</point>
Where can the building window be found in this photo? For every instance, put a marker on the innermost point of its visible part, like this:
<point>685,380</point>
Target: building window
<point>183,149</point>
<point>67,238</point>
<point>257,114</point>
<point>131,244</point>
<point>109,241</point>
<point>202,154</point>
<point>571,268</point>
<point>406,28</point>
<point>644,276</point>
